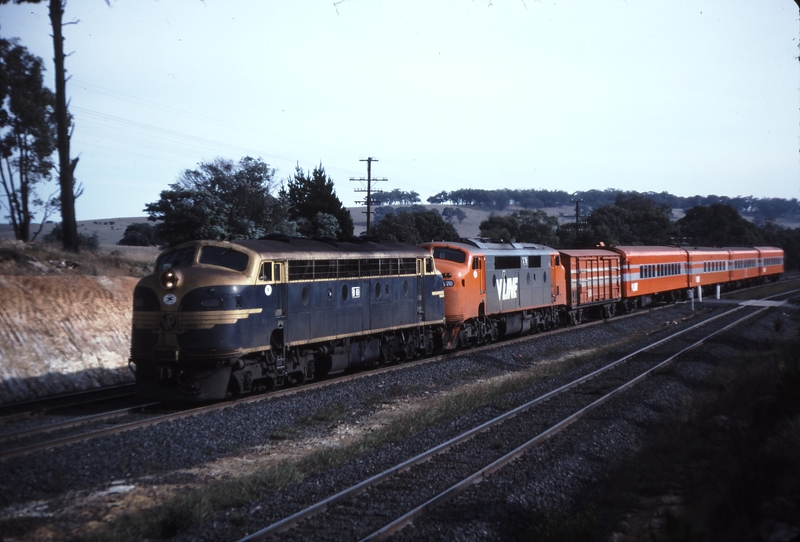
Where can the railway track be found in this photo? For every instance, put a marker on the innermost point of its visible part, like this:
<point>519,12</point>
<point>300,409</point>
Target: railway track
<point>383,504</point>
<point>33,435</point>
<point>19,439</point>
<point>37,407</point>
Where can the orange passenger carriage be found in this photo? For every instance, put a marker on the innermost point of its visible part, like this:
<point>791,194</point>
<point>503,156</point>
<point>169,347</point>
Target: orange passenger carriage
<point>770,261</point>
<point>744,265</point>
<point>710,265</point>
<point>652,273</point>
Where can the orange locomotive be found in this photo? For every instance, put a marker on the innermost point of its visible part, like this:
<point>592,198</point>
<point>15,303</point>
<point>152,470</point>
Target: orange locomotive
<point>494,289</point>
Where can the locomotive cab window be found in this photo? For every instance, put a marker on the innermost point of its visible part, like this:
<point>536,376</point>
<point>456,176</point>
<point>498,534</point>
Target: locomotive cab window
<point>270,272</point>
<point>177,258</point>
<point>450,254</point>
<point>224,257</point>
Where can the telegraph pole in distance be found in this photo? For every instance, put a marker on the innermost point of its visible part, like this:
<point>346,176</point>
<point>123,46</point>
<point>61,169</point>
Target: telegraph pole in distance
<point>369,180</point>
<point>577,203</point>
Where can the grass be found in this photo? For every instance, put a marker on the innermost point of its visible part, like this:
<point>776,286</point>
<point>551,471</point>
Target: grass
<point>45,258</point>
<point>726,452</point>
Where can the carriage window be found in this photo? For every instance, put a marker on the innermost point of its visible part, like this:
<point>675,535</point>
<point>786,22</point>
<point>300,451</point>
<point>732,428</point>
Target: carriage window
<point>176,258</point>
<point>224,257</point>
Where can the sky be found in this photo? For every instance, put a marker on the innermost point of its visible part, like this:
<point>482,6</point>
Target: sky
<point>690,97</point>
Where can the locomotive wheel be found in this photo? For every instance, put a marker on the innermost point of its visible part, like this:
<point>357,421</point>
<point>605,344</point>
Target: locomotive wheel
<point>410,348</point>
<point>297,378</point>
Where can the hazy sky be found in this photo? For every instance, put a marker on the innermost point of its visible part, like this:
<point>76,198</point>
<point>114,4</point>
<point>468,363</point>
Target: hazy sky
<point>689,97</point>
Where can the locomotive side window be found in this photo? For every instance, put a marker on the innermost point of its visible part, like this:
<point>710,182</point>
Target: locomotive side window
<point>348,268</point>
<point>305,270</point>
<point>389,266</point>
<point>428,266</point>
<point>177,258</point>
<point>224,257</point>
<point>408,266</point>
<point>266,272</point>
<point>370,267</point>
<point>535,261</point>
<point>507,262</point>
<point>301,270</point>
<point>326,269</point>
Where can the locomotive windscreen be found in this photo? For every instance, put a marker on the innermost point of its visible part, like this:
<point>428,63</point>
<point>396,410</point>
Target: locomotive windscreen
<point>224,257</point>
<point>450,254</point>
<point>176,258</point>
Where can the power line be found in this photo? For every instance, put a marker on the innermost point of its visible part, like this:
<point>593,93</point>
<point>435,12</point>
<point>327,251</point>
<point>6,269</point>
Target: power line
<point>369,180</point>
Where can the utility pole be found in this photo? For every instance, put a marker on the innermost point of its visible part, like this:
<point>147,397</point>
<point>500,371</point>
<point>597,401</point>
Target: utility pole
<point>577,203</point>
<point>369,180</point>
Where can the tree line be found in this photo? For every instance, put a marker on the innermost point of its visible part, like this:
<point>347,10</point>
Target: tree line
<point>224,199</point>
<point>760,208</point>
<point>638,219</point>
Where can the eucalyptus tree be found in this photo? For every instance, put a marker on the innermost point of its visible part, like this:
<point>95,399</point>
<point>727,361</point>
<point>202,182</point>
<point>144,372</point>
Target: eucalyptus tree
<point>66,165</point>
<point>27,135</point>
<point>219,200</point>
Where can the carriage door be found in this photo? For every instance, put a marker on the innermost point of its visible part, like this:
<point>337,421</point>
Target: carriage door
<point>555,262</point>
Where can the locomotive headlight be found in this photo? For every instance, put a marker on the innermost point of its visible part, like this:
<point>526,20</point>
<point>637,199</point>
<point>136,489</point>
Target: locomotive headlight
<point>168,279</point>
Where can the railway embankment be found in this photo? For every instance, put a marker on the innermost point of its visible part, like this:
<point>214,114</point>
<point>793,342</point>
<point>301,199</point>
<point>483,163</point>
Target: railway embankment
<point>64,320</point>
<point>63,333</point>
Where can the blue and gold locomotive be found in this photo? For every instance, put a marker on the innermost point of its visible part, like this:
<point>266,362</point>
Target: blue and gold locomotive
<point>217,318</point>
